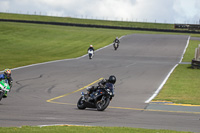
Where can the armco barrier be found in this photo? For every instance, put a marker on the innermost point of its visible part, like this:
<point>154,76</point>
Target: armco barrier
<point>98,26</point>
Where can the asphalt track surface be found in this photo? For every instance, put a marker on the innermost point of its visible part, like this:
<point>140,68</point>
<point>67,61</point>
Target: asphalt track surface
<point>47,94</point>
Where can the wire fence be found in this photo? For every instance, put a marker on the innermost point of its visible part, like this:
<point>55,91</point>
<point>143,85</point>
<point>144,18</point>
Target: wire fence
<point>144,20</point>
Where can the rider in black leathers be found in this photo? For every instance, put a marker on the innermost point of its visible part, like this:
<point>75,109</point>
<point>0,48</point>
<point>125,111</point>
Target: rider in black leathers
<point>102,84</point>
<point>90,48</point>
<point>116,41</point>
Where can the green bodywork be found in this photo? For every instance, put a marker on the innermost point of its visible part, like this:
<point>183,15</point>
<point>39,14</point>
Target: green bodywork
<point>4,85</point>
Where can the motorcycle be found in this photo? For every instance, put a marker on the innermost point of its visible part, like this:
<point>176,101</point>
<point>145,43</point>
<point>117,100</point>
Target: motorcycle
<point>90,53</point>
<point>115,45</point>
<point>100,99</point>
<point>4,87</point>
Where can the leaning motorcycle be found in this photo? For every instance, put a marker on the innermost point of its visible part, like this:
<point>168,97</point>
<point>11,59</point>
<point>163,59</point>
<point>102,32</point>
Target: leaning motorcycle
<point>90,53</point>
<point>115,45</point>
<point>4,87</point>
<point>100,99</point>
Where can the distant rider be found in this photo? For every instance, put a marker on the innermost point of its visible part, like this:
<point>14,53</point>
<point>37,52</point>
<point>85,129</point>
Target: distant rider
<point>6,75</point>
<point>116,41</point>
<point>90,48</point>
<point>102,84</point>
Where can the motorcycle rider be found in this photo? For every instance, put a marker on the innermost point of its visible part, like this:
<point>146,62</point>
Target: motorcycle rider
<point>116,40</point>
<point>90,51</point>
<point>101,84</point>
<point>90,48</point>
<point>6,75</point>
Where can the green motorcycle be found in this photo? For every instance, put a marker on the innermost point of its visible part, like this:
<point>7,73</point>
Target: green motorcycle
<point>4,88</point>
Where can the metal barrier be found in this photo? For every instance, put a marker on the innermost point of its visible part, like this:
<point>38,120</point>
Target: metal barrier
<point>187,26</point>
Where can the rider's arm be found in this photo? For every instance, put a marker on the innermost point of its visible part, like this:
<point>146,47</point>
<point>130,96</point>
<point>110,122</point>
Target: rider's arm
<point>1,77</point>
<point>102,82</point>
<point>10,81</point>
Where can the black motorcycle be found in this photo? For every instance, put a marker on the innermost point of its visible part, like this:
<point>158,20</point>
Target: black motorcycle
<point>99,99</point>
<point>115,45</point>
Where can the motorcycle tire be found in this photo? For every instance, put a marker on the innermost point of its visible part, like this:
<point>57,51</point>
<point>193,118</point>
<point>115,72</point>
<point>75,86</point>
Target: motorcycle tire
<point>115,46</point>
<point>1,95</point>
<point>90,56</point>
<point>102,106</point>
<point>81,104</point>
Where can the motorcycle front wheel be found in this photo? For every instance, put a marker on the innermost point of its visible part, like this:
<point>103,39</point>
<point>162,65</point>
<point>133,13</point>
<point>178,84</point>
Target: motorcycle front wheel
<point>102,104</point>
<point>1,95</point>
<point>81,104</point>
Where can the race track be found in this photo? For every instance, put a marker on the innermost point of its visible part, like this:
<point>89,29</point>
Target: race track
<point>47,93</point>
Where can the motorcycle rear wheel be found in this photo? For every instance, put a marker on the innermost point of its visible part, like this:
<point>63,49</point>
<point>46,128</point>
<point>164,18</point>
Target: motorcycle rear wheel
<point>102,104</point>
<point>81,104</point>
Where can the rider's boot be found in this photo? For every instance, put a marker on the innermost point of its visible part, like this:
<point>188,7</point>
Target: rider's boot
<point>5,95</point>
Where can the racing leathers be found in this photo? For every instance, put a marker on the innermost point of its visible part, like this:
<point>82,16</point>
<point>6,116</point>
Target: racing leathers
<point>10,81</point>
<point>102,84</point>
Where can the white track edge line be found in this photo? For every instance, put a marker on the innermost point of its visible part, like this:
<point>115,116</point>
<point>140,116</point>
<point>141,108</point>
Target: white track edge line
<point>165,80</point>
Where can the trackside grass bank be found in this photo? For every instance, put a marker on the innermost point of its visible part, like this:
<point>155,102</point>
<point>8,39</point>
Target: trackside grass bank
<point>85,21</point>
<point>183,84</point>
<point>81,129</point>
<point>25,44</point>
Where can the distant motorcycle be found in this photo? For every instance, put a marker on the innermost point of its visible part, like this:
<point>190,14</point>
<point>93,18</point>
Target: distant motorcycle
<point>115,45</point>
<point>90,53</point>
<point>99,99</point>
<point>4,87</point>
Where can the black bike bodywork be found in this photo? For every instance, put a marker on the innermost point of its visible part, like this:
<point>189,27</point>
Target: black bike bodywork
<point>115,45</point>
<point>100,99</point>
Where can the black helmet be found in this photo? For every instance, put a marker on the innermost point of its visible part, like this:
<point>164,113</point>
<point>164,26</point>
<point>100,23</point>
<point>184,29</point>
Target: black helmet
<point>112,79</point>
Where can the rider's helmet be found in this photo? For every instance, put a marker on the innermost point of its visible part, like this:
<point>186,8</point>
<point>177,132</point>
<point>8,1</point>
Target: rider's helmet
<point>91,46</point>
<point>112,79</point>
<point>7,73</point>
<point>117,38</point>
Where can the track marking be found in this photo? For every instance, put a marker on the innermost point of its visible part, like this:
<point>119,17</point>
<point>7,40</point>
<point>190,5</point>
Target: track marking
<point>174,104</point>
<point>51,100</point>
<point>165,80</point>
<point>69,125</point>
<point>124,108</point>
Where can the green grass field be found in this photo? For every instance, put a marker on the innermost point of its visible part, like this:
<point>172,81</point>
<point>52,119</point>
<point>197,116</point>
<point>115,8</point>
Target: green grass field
<point>81,129</point>
<point>24,44</point>
<point>189,54</point>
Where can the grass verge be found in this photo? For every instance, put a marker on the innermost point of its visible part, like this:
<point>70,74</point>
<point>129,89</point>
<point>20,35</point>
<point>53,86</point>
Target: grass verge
<point>183,84</point>
<point>189,54</point>
<point>82,129</point>
<point>24,44</point>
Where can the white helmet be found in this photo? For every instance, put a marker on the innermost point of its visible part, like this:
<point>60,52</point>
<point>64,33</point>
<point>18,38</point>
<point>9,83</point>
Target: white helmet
<point>91,46</point>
